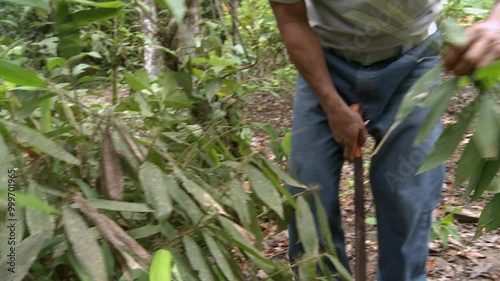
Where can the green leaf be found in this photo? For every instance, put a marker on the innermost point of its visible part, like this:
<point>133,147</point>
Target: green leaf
<point>469,161</point>
<point>29,137</point>
<point>449,139</point>
<point>26,254</point>
<point>41,4</point>
<point>490,216</point>
<point>155,186</point>
<point>184,268</point>
<point>264,189</point>
<point>371,221</point>
<point>18,75</point>
<point>54,62</point>
<point>481,182</point>
<point>27,201</point>
<point>197,259</point>
<point>307,228</point>
<point>487,131</point>
<point>453,33</point>
<point>418,92</point>
<point>217,252</point>
<point>139,81</point>
<point>110,4</point>
<point>85,17</point>
<point>85,245</point>
<point>282,175</point>
<point>287,144</point>
<point>438,100</point>
<point>119,206</point>
<point>161,266</point>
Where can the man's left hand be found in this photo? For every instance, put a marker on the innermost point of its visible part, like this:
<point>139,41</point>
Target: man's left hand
<point>482,49</point>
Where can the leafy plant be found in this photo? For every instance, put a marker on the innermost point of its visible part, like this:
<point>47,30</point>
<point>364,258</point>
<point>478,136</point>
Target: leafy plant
<point>443,228</point>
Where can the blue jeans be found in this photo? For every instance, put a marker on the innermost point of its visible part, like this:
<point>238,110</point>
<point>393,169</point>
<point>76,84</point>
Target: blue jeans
<point>404,201</point>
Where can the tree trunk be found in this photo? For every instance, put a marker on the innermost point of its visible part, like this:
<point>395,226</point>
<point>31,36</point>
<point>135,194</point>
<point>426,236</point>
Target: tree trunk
<point>189,31</point>
<point>153,58</point>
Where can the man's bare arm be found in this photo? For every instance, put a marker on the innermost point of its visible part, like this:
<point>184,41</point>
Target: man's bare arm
<point>306,53</point>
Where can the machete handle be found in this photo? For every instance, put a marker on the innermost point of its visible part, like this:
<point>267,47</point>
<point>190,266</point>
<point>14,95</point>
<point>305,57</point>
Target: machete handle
<point>357,150</point>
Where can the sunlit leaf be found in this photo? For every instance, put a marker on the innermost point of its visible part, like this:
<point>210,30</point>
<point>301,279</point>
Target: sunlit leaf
<point>138,82</point>
<point>161,266</point>
<point>109,4</point>
<point>84,17</point>
<point>27,201</point>
<point>19,75</point>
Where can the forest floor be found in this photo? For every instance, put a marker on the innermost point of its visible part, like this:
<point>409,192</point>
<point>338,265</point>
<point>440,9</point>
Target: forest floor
<point>462,259</point>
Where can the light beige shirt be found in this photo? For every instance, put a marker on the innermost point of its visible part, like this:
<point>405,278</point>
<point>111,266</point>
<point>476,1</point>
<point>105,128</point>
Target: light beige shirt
<point>369,30</point>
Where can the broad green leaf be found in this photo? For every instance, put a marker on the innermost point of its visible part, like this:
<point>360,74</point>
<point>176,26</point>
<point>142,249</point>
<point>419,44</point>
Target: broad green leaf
<point>85,245</point>
<point>41,4</point>
<point>161,266</point>
<point>438,101</point>
<point>26,254</point>
<point>307,228</point>
<point>468,163</point>
<point>155,186</point>
<point>485,177</point>
<point>109,4</point>
<point>84,17</point>
<point>119,206</point>
<point>29,137</point>
<point>217,252</point>
<point>487,131</point>
<point>453,33</point>
<point>418,92</point>
<point>143,231</point>
<point>490,216</point>
<point>264,189</point>
<point>18,75</point>
<point>197,259</point>
<point>143,104</point>
<point>138,82</point>
<point>37,220</point>
<point>27,201</point>
<point>371,221</point>
<point>449,139</point>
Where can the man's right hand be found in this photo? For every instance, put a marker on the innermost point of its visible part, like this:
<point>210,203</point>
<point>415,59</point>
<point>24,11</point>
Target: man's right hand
<point>348,128</point>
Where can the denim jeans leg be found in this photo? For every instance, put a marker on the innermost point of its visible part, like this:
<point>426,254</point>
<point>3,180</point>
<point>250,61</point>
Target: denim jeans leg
<point>404,201</point>
<point>316,160</point>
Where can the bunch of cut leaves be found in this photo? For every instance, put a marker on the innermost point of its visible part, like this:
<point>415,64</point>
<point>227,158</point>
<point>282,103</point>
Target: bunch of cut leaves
<point>479,162</point>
